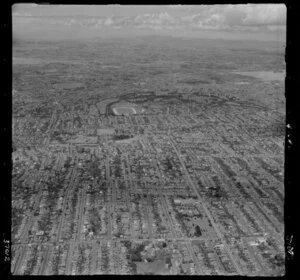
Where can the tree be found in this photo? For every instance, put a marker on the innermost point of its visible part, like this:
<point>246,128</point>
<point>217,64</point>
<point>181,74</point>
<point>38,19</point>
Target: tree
<point>136,257</point>
<point>198,231</point>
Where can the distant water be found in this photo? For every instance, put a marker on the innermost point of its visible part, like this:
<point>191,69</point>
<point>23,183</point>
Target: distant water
<point>31,61</point>
<point>265,76</point>
<point>26,60</point>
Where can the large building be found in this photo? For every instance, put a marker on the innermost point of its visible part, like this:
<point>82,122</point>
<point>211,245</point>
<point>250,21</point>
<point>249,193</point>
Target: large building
<point>125,108</point>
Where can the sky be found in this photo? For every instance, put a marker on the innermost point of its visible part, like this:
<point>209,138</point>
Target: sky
<point>266,22</point>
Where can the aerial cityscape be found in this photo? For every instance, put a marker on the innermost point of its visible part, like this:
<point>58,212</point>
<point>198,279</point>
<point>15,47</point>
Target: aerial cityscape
<point>148,155</point>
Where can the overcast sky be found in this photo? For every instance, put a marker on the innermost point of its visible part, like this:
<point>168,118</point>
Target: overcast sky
<point>251,21</point>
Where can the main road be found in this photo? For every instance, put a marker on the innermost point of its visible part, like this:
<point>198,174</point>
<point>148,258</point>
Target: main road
<point>192,184</point>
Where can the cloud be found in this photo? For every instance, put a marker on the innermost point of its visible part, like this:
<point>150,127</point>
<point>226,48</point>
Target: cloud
<point>184,18</point>
<point>108,22</point>
<point>182,7</point>
<point>22,14</point>
<point>237,17</point>
<point>161,19</point>
<point>265,15</point>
